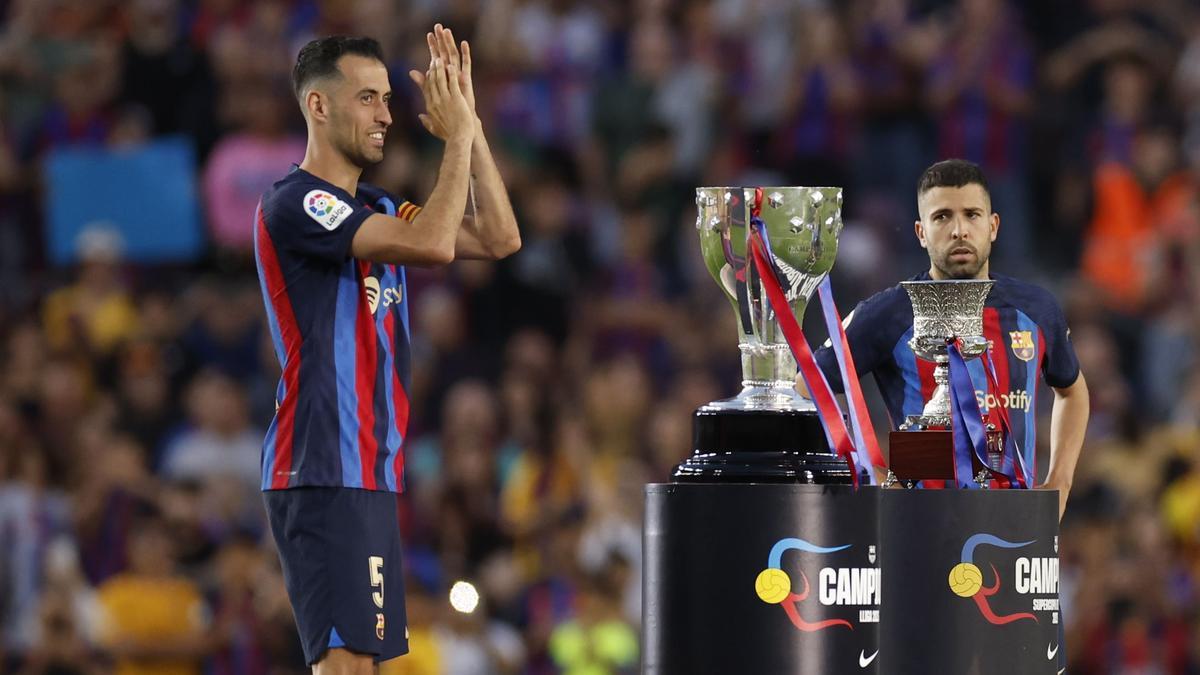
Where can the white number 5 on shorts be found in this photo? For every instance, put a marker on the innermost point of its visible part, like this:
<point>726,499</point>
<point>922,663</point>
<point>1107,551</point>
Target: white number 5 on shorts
<point>376,564</point>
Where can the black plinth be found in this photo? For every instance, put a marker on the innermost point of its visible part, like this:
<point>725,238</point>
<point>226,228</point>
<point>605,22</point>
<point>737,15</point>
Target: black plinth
<point>798,579</point>
<point>761,446</point>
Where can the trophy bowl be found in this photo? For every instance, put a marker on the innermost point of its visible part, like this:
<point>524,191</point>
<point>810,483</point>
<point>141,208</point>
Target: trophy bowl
<point>942,311</point>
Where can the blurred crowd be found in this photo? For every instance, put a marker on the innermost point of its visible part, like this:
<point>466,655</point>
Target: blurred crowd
<point>550,387</point>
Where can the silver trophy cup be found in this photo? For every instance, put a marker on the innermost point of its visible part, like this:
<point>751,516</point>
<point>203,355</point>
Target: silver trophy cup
<point>943,310</point>
<point>767,431</point>
<point>803,225</point>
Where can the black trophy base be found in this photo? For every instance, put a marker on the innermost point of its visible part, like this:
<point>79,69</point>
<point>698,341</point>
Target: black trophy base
<point>760,446</point>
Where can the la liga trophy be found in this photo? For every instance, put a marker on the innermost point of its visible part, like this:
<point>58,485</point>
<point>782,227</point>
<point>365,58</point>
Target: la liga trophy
<point>767,432</point>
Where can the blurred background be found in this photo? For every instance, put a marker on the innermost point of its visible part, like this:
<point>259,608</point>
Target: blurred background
<point>136,376</point>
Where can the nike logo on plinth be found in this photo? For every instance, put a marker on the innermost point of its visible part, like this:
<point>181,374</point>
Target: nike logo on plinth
<point>1051,651</point>
<point>864,660</point>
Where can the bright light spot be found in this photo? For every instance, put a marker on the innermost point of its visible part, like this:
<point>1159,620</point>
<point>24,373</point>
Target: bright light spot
<point>463,597</point>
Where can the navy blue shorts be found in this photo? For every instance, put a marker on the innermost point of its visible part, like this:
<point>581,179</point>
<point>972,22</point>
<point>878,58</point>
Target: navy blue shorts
<point>340,549</point>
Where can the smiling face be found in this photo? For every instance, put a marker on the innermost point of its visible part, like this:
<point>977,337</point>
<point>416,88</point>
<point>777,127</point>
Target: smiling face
<point>957,228</point>
<point>353,110</point>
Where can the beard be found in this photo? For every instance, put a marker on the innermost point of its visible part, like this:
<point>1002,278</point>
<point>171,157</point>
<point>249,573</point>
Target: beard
<point>358,151</point>
<point>967,268</point>
<point>359,154</point>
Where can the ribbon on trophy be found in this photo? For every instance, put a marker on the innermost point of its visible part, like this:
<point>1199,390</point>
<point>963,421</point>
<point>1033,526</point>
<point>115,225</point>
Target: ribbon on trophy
<point>970,433</point>
<point>869,454</point>
<point>1013,466</point>
<point>830,412</point>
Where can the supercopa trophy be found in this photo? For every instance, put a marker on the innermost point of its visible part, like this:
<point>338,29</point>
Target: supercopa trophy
<point>942,311</point>
<point>768,432</point>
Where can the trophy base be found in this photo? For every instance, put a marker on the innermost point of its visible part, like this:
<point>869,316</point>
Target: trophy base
<point>760,446</point>
<point>928,454</point>
<point>921,455</point>
<point>765,396</point>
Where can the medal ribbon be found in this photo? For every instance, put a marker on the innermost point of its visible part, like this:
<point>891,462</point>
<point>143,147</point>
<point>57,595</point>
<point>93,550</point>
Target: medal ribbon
<point>969,431</point>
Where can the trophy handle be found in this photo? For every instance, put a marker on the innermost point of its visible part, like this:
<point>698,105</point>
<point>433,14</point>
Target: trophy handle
<point>735,261</point>
<point>737,264</point>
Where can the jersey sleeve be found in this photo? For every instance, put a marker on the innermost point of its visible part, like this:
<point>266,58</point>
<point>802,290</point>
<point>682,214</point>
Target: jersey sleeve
<point>1060,367</point>
<point>864,331</point>
<point>314,221</point>
<point>386,202</point>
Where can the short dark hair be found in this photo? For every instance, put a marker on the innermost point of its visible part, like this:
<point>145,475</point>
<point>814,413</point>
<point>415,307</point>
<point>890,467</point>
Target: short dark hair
<point>319,58</point>
<point>951,173</point>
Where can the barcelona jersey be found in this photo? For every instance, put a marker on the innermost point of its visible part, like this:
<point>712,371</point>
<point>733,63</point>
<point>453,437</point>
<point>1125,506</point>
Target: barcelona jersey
<point>1027,334</point>
<point>340,331</point>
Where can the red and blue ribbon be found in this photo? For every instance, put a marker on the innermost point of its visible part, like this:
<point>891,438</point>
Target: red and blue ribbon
<point>969,431</point>
<point>1013,466</point>
<point>966,422</point>
<point>867,445</point>
<point>832,420</point>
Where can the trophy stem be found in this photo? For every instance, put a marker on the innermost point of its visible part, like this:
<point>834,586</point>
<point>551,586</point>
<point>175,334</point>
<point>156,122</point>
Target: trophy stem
<point>936,413</point>
<point>768,379</point>
<point>939,402</point>
<point>767,365</point>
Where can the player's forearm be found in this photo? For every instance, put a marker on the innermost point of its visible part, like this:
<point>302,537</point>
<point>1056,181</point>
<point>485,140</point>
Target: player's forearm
<point>1068,424</point>
<point>443,212</point>
<point>494,225</point>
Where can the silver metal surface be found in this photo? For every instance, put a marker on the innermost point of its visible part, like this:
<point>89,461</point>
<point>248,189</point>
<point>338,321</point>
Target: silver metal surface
<point>802,225</point>
<point>943,310</point>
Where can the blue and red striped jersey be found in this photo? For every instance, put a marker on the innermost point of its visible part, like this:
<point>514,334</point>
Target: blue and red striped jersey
<point>341,334</point>
<point>1027,334</point>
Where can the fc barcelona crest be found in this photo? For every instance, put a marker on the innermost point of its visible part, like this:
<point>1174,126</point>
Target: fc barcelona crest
<point>1022,344</point>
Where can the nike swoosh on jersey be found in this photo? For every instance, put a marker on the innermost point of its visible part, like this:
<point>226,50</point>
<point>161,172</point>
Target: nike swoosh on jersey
<point>864,660</point>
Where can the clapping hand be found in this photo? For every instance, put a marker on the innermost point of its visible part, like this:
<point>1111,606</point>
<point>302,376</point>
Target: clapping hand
<point>445,85</point>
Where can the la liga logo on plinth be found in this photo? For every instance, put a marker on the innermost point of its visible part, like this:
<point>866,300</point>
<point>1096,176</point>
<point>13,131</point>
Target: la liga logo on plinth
<point>836,586</point>
<point>966,579</point>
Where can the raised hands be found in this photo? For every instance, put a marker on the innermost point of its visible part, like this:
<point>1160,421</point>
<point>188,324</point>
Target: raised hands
<point>447,86</point>
<point>441,45</point>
